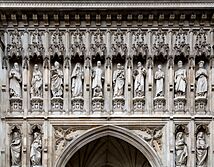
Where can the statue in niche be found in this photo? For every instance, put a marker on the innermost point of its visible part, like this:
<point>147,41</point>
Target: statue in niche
<point>36,82</point>
<point>97,79</point>
<point>77,81</point>
<point>15,81</point>
<point>36,150</point>
<point>15,148</point>
<point>201,150</point>
<point>181,152</point>
<point>159,77</point>
<point>119,81</point>
<point>201,77</point>
<point>56,80</point>
<point>180,80</point>
<point>139,75</point>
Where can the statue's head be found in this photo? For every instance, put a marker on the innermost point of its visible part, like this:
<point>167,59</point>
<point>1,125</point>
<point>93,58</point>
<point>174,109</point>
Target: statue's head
<point>139,64</point>
<point>56,64</point>
<point>200,135</point>
<point>98,63</point>
<point>36,67</point>
<point>179,135</point>
<point>180,64</point>
<point>201,64</point>
<point>16,66</point>
<point>118,66</point>
<point>159,67</point>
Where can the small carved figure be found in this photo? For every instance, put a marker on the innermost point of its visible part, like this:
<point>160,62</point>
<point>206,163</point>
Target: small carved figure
<point>15,81</point>
<point>159,77</point>
<point>180,80</point>
<point>77,77</point>
<point>97,79</point>
<point>36,150</point>
<point>181,152</point>
<point>15,148</point>
<point>139,75</point>
<point>201,77</point>
<point>201,150</point>
<point>56,80</point>
<point>119,81</point>
<point>36,82</point>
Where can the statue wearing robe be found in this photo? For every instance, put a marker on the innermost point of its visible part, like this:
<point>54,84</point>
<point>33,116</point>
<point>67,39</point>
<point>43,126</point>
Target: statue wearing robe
<point>97,78</point>
<point>57,81</point>
<point>36,82</point>
<point>15,149</point>
<point>159,77</point>
<point>15,81</point>
<point>119,81</point>
<point>201,150</point>
<point>77,77</point>
<point>36,149</point>
<point>181,153</point>
<point>201,77</point>
<point>180,80</point>
<point>139,75</point>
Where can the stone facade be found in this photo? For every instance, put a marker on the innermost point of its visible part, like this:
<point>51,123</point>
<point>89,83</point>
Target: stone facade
<point>80,80</point>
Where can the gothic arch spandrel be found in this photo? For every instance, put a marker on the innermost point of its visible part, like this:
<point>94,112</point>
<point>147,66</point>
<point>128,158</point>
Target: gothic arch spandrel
<point>114,132</point>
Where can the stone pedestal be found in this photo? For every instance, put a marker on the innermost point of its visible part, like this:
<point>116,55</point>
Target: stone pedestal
<point>16,104</point>
<point>57,104</point>
<point>118,104</point>
<point>139,104</point>
<point>97,104</point>
<point>36,104</point>
<point>179,104</point>
<point>77,104</point>
<point>200,105</point>
<point>159,104</point>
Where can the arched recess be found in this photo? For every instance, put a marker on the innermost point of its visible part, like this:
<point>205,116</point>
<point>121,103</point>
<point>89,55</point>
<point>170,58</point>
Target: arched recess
<point>114,131</point>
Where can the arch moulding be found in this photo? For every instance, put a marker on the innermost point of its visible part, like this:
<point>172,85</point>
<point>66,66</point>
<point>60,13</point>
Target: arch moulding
<point>109,130</point>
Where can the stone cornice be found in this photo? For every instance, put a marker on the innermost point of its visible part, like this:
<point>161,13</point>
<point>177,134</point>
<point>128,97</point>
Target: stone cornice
<point>106,4</point>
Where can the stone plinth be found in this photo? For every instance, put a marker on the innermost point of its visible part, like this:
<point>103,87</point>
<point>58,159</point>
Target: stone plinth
<point>139,104</point>
<point>36,104</point>
<point>200,105</point>
<point>97,104</point>
<point>77,104</point>
<point>159,104</point>
<point>16,104</point>
<point>179,104</point>
<point>57,104</point>
<point>118,104</point>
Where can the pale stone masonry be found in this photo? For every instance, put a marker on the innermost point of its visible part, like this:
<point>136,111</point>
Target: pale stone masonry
<point>106,83</point>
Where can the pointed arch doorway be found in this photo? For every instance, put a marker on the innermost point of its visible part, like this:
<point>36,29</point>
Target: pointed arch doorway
<point>108,146</point>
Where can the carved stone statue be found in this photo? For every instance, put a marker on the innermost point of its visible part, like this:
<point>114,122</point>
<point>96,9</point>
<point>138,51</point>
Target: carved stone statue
<point>180,80</point>
<point>77,77</point>
<point>119,81</point>
<point>15,81</point>
<point>56,80</point>
<point>97,78</point>
<point>159,77</point>
<point>201,77</point>
<point>139,75</point>
<point>36,150</point>
<point>15,148</point>
<point>181,152</point>
<point>36,82</point>
<point>201,150</point>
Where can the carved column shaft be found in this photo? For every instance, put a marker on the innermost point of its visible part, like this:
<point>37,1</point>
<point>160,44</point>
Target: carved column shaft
<point>108,75</point>
<point>212,73</point>
<point>87,75</point>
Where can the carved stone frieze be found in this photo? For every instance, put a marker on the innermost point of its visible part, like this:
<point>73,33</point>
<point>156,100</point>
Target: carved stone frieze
<point>153,136</point>
<point>63,137</point>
